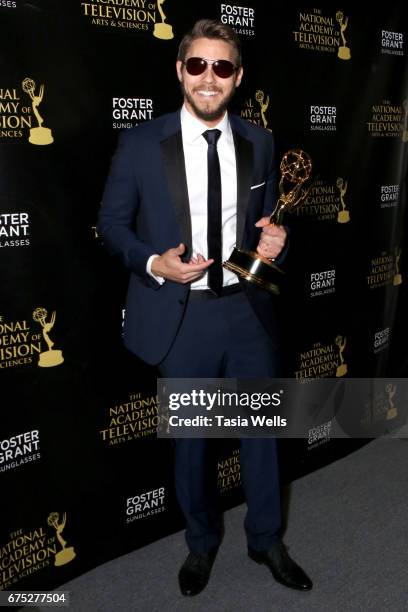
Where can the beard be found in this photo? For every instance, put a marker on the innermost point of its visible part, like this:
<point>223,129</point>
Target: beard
<point>206,113</point>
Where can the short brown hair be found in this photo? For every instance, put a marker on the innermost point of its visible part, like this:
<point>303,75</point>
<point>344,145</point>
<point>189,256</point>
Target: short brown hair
<point>210,28</point>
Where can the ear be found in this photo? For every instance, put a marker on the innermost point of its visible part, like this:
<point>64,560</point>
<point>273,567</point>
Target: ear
<point>179,68</point>
<point>238,78</point>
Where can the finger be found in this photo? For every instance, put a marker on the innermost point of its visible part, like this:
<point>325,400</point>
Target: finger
<point>195,267</point>
<point>181,269</point>
<point>271,228</point>
<point>271,250</point>
<point>265,245</point>
<point>262,222</point>
<point>197,259</point>
<point>189,277</point>
<point>273,233</point>
<point>263,252</point>
<point>271,239</point>
<point>268,242</point>
<point>179,250</point>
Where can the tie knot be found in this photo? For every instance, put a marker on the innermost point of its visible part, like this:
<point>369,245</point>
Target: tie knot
<point>212,136</point>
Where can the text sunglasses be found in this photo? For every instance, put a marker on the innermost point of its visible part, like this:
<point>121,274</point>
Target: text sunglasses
<point>197,65</point>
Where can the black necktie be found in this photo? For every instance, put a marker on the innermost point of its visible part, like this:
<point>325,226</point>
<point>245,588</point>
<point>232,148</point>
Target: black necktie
<point>214,222</point>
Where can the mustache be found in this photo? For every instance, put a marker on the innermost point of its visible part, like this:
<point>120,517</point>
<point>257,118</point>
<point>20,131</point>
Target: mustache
<point>209,89</point>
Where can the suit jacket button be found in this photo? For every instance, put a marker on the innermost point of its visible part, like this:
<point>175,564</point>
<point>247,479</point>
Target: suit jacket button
<point>182,302</point>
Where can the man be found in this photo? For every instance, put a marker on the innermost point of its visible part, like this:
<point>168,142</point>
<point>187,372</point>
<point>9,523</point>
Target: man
<point>183,190</point>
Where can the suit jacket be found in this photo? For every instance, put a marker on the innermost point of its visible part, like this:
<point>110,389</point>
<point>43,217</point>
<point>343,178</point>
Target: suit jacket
<point>145,210</point>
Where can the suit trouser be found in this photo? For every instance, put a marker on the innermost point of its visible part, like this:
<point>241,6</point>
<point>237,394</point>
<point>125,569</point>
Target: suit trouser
<point>218,338</point>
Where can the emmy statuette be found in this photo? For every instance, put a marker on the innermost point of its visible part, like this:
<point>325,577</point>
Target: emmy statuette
<point>296,168</point>
<point>162,30</point>
<point>38,135</point>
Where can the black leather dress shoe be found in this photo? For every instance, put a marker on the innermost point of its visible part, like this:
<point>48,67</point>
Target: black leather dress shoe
<point>283,568</point>
<point>195,572</point>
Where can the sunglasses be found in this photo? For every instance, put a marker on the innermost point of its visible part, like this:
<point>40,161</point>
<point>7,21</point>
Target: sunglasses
<point>197,65</point>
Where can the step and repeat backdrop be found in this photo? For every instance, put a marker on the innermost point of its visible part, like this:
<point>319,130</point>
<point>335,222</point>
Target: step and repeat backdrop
<point>83,477</point>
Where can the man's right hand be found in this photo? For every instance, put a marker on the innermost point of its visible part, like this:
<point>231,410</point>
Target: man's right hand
<point>169,266</point>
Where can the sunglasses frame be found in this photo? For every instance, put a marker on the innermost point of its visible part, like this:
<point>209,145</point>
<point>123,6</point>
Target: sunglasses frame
<point>213,64</point>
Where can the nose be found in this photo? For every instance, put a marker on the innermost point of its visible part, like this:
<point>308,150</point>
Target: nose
<point>209,74</point>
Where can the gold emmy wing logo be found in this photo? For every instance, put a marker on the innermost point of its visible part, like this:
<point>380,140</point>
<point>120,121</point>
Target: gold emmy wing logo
<point>343,215</point>
<point>397,280</point>
<point>51,357</point>
<point>39,135</point>
<point>392,411</point>
<point>65,555</point>
<point>260,98</point>
<point>344,51</point>
<point>162,30</point>
<point>342,368</point>
<point>405,129</point>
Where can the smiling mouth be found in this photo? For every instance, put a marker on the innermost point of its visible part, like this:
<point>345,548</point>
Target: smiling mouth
<point>206,93</point>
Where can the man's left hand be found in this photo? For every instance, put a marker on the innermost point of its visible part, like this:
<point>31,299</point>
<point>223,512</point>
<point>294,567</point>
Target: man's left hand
<point>272,239</point>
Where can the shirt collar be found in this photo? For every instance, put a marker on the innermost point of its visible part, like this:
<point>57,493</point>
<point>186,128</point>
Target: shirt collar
<point>193,128</point>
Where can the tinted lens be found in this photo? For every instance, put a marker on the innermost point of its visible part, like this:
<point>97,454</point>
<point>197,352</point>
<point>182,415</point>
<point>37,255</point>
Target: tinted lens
<point>223,68</point>
<point>197,65</point>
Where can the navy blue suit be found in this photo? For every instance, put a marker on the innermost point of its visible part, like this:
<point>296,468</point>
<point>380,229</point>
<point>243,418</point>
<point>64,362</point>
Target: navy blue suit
<point>145,210</point>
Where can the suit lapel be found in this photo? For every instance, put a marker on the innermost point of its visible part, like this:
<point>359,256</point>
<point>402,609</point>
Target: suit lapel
<point>173,156</point>
<point>244,161</point>
<point>174,164</point>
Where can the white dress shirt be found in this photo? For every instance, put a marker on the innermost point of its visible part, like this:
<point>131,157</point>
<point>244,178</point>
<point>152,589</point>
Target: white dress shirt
<point>195,154</point>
